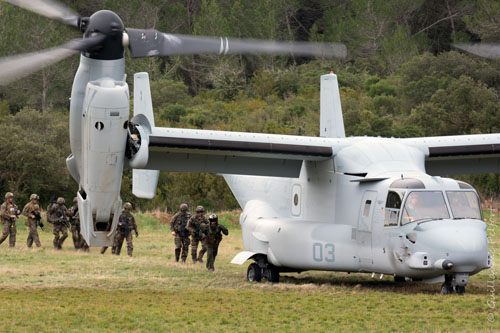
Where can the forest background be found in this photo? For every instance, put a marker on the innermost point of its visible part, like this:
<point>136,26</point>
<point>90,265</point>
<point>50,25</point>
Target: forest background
<point>401,78</point>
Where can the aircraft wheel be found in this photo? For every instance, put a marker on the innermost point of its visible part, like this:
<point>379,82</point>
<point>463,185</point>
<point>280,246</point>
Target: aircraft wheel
<point>254,273</point>
<point>399,279</point>
<point>460,290</point>
<point>446,289</point>
<point>274,274</point>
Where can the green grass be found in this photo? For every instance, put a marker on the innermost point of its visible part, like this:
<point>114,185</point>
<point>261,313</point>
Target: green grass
<point>47,290</point>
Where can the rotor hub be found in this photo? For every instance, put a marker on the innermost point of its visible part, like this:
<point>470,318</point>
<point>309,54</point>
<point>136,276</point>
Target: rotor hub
<point>107,23</point>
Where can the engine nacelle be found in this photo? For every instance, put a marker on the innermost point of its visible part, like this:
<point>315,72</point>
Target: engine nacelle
<point>104,135</point>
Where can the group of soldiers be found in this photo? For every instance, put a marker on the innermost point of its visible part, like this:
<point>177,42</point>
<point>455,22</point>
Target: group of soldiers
<point>186,229</point>
<point>207,232</point>
<point>61,219</point>
<point>57,214</point>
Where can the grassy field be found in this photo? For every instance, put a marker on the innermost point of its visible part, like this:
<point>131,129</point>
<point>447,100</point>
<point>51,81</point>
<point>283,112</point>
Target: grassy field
<point>49,290</point>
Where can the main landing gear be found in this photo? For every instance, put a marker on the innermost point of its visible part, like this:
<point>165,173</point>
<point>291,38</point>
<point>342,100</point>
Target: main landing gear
<point>262,269</point>
<point>454,284</point>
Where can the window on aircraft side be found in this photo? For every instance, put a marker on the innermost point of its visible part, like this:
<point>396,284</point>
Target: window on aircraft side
<point>464,204</point>
<point>393,207</point>
<point>366,210</point>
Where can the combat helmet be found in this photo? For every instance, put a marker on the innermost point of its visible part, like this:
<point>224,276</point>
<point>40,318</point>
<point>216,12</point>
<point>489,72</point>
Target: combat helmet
<point>34,197</point>
<point>127,206</point>
<point>183,207</point>
<point>200,209</point>
<point>9,195</point>
<point>213,218</point>
<point>60,201</point>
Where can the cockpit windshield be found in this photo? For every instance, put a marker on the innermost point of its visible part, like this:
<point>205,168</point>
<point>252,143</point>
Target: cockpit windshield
<point>423,205</point>
<point>464,204</point>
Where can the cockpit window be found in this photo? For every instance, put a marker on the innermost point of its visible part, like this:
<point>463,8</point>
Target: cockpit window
<point>464,204</point>
<point>393,207</point>
<point>424,205</point>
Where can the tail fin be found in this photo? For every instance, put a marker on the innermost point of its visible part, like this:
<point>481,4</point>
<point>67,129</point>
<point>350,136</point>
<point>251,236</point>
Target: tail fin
<point>144,182</point>
<point>331,121</point>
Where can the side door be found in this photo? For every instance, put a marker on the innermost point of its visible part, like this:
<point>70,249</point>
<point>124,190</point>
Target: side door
<point>364,231</point>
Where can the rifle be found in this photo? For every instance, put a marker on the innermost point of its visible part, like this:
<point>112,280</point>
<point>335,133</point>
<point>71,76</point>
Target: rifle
<point>38,219</point>
<point>184,232</point>
<point>124,230</point>
<point>63,217</point>
<point>16,212</point>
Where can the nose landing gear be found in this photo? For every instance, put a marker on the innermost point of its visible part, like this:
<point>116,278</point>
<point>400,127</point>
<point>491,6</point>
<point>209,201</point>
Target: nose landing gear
<point>454,283</point>
<point>262,269</point>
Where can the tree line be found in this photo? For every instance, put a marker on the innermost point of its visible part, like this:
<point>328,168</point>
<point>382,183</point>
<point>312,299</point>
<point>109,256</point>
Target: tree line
<point>401,78</point>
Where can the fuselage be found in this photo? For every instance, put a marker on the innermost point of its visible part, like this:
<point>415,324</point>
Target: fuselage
<point>351,213</point>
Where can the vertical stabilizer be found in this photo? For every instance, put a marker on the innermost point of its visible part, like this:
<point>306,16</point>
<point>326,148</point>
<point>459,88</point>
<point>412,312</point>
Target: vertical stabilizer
<point>144,182</point>
<point>331,121</point>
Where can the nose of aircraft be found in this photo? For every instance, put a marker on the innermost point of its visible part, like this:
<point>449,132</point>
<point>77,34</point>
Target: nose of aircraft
<point>463,242</point>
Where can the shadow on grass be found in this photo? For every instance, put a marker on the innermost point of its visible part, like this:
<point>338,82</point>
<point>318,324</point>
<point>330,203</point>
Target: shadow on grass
<point>364,283</point>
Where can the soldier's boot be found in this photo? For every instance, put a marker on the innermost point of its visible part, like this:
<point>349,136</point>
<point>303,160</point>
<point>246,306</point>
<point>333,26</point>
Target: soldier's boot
<point>103,249</point>
<point>129,252</point>
<point>193,256</point>
<point>177,254</point>
<point>184,260</point>
<point>55,242</point>
<point>200,256</point>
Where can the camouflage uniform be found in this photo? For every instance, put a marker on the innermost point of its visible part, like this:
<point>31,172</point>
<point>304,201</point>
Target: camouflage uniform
<point>30,208</point>
<point>194,225</point>
<point>126,224</point>
<point>78,240</point>
<point>58,213</point>
<point>178,226</point>
<point>8,209</point>
<point>213,234</point>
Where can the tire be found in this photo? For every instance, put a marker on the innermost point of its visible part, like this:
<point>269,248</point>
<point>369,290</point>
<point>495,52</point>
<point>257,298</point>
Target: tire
<point>399,279</point>
<point>446,289</point>
<point>460,290</point>
<point>274,274</point>
<point>254,273</point>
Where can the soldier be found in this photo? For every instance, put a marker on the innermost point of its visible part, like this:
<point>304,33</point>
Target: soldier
<point>180,233</point>
<point>8,215</point>
<point>194,225</point>
<point>213,233</point>
<point>59,217</point>
<point>32,212</point>
<point>126,224</point>
<point>78,240</point>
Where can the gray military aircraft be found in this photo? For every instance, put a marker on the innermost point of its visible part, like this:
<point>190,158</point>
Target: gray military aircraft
<point>357,204</point>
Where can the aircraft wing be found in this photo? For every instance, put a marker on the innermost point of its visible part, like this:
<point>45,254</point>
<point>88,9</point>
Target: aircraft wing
<point>461,154</point>
<point>173,149</point>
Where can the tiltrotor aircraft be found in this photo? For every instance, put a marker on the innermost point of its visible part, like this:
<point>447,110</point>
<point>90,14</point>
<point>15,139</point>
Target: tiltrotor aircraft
<point>357,204</point>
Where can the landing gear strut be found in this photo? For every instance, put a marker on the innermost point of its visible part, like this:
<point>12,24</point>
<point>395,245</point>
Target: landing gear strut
<point>454,284</point>
<point>262,269</point>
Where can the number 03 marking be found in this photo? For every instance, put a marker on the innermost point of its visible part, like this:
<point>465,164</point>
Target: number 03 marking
<point>323,252</point>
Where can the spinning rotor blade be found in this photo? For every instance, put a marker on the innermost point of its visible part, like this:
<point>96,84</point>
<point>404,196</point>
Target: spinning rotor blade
<point>149,43</point>
<point>18,66</point>
<point>491,51</point>
<point>50,9</point>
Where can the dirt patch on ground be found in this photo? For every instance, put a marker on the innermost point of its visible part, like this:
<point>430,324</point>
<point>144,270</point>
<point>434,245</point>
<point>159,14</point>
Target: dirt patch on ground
<point>163,217</point>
